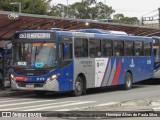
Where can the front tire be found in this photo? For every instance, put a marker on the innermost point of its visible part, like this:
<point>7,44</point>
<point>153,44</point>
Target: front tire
<point>128,81</point>
<point>78,87</point>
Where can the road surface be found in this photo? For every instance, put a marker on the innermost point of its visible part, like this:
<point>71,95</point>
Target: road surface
<point>141,97</point>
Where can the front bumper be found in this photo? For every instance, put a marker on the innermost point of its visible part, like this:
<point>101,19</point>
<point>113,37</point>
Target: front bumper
<point>156,74</point>
<point>51,86</point>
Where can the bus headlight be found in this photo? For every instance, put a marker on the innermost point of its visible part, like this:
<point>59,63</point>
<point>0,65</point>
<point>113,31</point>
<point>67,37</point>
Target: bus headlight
<point>12,77</point>
<point>51,78</point>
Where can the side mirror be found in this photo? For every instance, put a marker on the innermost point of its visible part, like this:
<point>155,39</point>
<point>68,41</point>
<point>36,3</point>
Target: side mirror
<point>65,49</point>
<point>7,46</point>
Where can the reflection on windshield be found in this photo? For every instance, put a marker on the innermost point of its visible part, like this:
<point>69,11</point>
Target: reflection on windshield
<point>37,55</point>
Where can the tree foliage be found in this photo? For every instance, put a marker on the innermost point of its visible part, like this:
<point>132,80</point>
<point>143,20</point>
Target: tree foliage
<point>86,9</point>
<point>120,18</point>
<point>27,6</point>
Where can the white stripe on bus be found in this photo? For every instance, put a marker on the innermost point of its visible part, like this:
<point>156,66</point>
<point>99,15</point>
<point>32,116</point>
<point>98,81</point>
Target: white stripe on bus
<point>112,73</point>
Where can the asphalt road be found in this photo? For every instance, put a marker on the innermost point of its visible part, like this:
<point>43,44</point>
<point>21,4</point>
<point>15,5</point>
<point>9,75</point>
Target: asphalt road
<point>95,100</point>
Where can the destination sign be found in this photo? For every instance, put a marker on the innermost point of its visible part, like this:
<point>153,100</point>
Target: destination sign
<point>35,35</point>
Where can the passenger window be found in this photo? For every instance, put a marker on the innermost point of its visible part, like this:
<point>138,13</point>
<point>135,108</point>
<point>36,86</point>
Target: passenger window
<point>138,48</point>
<point>81,47</point>
<point>118,48</point>
<point>129,51</point>
<point>95,48</point>
<point>107,48</point>
<point>147,48</point>
<point>66,42</point>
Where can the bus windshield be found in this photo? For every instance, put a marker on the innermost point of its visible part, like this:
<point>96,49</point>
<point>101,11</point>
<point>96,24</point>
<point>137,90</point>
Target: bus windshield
<point>36,55</point>
<point>156,54</point>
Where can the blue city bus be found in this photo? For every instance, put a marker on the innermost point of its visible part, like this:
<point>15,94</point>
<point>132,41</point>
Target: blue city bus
<point>156,48</point>
<point>60,61</point>
<point>5,60</point>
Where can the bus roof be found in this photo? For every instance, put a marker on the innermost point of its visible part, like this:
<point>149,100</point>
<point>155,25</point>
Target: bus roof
<point>103,36</point>
<point>93,35</point>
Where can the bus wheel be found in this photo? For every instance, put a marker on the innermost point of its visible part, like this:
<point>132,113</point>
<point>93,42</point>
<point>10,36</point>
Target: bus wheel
<point>128,81</point>
<point>78,88</point>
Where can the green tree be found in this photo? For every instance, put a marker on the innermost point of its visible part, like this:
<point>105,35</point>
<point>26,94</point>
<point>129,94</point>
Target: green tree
<point>90,1</point>
<point>120,18</point>
<point>86,9</point>
<point>130,20</point>
<point>58,10</point>
<point>104,11</point>
<point>28,6</point>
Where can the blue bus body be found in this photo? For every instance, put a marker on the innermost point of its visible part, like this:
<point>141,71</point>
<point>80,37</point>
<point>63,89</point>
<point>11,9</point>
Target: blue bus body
<point>5,60</point>
<point>71,64</point>
<point>156,48</point>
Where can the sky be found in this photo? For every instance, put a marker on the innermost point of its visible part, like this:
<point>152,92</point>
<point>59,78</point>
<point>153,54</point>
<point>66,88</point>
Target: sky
<point>130,8</point>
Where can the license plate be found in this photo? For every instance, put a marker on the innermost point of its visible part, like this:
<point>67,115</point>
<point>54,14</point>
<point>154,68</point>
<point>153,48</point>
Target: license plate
<point>29,86</point>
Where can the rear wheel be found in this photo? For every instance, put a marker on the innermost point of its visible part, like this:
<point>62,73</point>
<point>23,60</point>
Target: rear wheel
<point>128,81</point>
<point>78,87</point>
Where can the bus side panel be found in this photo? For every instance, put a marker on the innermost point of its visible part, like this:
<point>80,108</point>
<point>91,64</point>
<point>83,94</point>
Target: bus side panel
<point>86,67</point>
<point>140,68</point>
<point>66,78</point>
<point>111,71</point>
<point>100,71</point>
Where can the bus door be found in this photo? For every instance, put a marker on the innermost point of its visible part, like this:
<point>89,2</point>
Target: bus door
<point>66,65</point>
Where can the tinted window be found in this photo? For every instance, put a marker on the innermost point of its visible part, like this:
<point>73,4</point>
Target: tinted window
<point>81,47</point>
<point>66,42</point>
<point>138,48</point>
<point>129,48</point>
<point>107,48</point>
<point>147,48</point>
<point>95,48</point>
<point>118,48</point>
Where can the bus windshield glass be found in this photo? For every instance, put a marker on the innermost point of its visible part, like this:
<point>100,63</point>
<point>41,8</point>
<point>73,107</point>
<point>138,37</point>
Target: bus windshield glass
<point>35,55</point>
<point>156,54</point>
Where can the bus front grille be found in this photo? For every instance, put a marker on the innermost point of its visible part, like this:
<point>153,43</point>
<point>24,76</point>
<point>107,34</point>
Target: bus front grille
<point>27,72</point>
<point>23,84</point>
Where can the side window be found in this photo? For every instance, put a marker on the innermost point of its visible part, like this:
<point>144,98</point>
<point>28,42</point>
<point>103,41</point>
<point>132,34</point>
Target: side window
<point>129,51</point>
<point>95,48</point>
<point>147,48</point>
<point>69,55</point>
<point>107,48</point>
<point>118,48</point>
<point>81,47</point>
<point>66,46</point>
<point>138,48</point>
